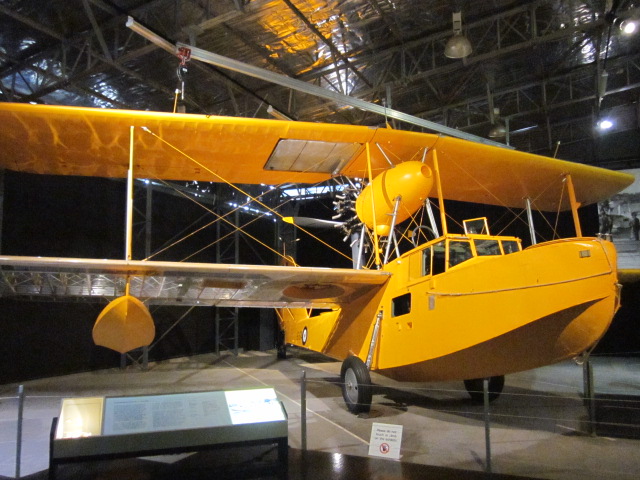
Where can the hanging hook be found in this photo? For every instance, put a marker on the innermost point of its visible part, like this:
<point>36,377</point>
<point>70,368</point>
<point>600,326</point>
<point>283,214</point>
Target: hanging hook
<point>184,54</point>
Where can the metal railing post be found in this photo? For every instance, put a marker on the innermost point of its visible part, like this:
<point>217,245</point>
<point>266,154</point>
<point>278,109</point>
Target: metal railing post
<point>487,425</point>
<point>19,429</point>
<point>303,411</point>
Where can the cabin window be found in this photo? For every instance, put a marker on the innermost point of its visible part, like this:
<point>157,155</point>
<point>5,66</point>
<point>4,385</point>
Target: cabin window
<point>439,259</point>
<point>426,261</point>
<point>401,305</point>
<point>510,246</point>
<point>459,251</point>
<point>487,247</point>
<point>476,225</point>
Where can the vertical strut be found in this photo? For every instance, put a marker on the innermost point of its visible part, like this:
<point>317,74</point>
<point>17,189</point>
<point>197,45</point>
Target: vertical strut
<point>532,230</point>
<point>129,225</point>
<point>432,218</point>
<point>574,205</point>
<point>374,340</point>
<point>391,237</point>
<point>376,245</point>
<point>443,215</point>
<point>363,232</point>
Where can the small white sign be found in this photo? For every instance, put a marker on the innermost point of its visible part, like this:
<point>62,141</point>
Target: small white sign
<point>385,440</point>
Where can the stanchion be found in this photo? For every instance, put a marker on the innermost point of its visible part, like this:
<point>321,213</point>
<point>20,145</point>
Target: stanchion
<point>19,429</point>
<point>487,425</point>
<point>303,411</point>
<point>589,395</point>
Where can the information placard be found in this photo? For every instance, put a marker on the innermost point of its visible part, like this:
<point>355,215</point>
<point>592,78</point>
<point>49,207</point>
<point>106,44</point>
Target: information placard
<point>156,413</point>
<point>183,411</point>
<point>385,440</point>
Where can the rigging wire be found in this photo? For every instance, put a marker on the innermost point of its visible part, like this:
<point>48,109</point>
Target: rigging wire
<point>201,165</point>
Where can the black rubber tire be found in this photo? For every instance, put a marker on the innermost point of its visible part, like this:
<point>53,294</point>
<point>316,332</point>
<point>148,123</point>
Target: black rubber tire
<point>356,385</point>
<point>475,388</point>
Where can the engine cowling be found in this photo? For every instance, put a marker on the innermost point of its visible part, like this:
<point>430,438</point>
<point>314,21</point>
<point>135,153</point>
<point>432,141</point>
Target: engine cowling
<point>411,181</point>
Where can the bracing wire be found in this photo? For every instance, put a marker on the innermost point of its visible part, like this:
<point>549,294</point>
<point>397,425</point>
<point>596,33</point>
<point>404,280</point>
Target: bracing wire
<point>277,214</point>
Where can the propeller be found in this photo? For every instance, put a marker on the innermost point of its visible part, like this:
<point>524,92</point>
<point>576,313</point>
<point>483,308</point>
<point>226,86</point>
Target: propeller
<point>308,222</point>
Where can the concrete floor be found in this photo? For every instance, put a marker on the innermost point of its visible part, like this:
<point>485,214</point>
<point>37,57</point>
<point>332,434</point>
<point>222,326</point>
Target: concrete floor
<point>539,426</point>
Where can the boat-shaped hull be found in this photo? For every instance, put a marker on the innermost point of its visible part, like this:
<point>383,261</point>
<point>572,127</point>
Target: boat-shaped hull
<point>505,314</point>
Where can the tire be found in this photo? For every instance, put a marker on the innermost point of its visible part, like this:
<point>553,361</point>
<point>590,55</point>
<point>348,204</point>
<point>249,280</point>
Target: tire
<point>356,385</point>
<point>475,388</point>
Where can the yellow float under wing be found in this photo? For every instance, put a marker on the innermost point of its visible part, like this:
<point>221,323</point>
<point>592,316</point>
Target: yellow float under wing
<point>95,142</point>
<point>123,325</point>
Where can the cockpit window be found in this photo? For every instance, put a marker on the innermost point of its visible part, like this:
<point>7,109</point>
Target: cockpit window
<point>426,261</point>
<point>487,247</point>
<point>459,251</point>
<point>439,255</point>
<point>510,246</point>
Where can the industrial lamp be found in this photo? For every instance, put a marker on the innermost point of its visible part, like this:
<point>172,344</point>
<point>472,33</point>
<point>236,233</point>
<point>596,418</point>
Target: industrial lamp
<point>498,129</point>
<point>629,27</point>
<point>458,46</point>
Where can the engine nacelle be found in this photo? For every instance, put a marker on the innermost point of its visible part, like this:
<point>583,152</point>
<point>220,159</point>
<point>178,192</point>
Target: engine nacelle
<point>412,181</point>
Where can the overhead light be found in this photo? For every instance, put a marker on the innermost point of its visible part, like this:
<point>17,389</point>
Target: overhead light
<point>457,46</point>
<point>498,130</point>
<point>629,27</point>
<point>605,124</point>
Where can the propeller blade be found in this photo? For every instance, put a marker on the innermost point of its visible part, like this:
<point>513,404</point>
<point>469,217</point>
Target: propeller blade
<point>312,222</point>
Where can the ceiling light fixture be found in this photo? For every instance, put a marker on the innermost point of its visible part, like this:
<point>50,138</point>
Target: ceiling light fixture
<point>629,27</point>
<point>457,46</point>
<point>605,124</point>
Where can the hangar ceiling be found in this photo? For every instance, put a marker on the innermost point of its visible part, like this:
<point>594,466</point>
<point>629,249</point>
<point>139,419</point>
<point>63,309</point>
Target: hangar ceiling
<point>537,67</point>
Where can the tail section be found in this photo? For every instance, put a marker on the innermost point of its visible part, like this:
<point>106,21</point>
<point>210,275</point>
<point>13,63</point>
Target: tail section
<point>304,330</point>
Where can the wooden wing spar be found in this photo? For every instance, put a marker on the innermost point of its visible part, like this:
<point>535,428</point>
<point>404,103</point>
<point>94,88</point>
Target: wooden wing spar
<point>95,142</point>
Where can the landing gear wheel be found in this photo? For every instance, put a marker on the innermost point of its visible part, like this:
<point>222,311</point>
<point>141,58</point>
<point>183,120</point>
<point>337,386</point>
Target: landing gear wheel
<point>356,385</point>
<point>475,388</point>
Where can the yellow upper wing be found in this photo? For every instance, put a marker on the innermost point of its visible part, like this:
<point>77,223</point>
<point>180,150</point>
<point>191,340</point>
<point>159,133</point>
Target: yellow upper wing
<point>95,142</point>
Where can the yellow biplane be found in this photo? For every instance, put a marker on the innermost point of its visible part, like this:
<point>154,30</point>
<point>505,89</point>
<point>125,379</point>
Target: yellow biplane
<point>459,305</point>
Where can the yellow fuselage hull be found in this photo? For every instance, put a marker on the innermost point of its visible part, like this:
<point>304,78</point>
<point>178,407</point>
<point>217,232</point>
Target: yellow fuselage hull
<point>487,316</point>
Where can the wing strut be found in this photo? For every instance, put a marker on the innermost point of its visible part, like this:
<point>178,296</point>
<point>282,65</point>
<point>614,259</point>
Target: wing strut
<point>125,323</point>
<point>443,215</point>
<point>376,245</point>
<point>532,230</point>
<point>129,226</point>
<point>574,204</point>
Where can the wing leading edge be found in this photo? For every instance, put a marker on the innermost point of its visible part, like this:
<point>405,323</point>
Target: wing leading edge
<point>176,283</point>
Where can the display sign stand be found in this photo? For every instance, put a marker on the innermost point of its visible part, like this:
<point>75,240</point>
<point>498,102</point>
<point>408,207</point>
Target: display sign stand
<point>118,427</point>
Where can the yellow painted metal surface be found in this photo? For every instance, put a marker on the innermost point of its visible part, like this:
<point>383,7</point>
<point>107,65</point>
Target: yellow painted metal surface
<point>411,182</point>
<point>486,316</point>
<point>94,142</point>
<point>124,324</point>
